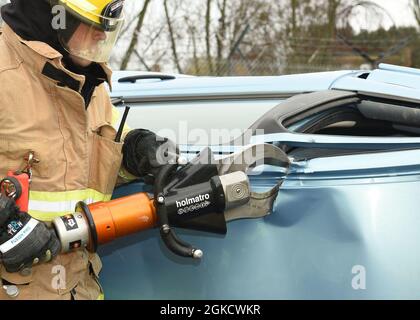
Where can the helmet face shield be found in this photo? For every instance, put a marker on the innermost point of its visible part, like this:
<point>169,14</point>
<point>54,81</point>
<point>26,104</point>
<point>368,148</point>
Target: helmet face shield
<point>92,28</point>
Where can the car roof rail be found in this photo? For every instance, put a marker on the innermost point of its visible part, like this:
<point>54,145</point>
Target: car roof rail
<point>395,68</point>
<point>133,79</point>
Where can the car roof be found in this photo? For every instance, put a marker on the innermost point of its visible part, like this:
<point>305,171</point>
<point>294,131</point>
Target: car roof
<point>187,86</point>
<point>387,81</point>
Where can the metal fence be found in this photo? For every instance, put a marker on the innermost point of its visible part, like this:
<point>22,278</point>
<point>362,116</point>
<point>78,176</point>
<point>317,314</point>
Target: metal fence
<point>300,55</point>
<point>244,67</point>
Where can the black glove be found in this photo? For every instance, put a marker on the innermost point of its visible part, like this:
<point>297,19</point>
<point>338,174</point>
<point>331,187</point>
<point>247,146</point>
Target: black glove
<point>23,239</point>
<point>144,153</point>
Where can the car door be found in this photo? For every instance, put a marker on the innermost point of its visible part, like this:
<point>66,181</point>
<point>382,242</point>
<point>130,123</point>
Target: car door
<point>343,226</point>
<point>347,211</point>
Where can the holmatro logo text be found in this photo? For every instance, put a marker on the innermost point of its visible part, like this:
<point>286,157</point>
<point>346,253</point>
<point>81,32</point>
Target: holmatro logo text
<point>194,200</point>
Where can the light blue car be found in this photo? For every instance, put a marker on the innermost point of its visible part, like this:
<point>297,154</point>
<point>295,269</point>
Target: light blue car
<point>345,223</point>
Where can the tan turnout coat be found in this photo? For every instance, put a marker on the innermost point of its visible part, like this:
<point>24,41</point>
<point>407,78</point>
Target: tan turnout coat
<point>79,159</point>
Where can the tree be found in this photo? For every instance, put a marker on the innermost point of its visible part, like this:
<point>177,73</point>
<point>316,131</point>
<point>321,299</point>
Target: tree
<point>172,37</point>
<point>415,6</point>
<point>134,40</point>
<point>255,37</point>
<point>221,34</point>
<point>208,36</point>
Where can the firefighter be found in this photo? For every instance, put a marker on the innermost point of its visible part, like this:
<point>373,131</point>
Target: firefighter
<point>54,103</point>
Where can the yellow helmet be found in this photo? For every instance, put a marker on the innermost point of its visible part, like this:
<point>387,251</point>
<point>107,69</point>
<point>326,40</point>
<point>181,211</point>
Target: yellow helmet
<point>95,11</point>
<point>92,27</point>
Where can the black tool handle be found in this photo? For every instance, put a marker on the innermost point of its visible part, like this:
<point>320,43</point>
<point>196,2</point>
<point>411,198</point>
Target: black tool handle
<point>167,233</point>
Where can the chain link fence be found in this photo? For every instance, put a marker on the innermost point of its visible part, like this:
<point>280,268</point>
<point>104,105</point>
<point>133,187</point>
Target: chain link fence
<point>310,55</point>
<point>255,57</point>
<point>244,67</point>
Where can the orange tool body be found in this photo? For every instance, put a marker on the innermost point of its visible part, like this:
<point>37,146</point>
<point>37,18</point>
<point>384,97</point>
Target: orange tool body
<point>123,216</point>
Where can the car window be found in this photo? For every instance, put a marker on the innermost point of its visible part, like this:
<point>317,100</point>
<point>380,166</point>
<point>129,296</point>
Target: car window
<point>199,122</point>
<point>367,118</point>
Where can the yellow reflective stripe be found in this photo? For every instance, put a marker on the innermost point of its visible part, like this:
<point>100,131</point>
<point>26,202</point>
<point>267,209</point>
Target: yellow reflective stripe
<point>116,120</point>
<point>46,216</point>
<point>46,206</point>
<point>101,297</point>
<point>66,195</point>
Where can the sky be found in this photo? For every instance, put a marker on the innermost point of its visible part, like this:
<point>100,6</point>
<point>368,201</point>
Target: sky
<point>399,10</point>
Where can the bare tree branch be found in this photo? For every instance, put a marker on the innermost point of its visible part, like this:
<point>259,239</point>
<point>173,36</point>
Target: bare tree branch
<point>332,17</point>
<point>415,6</point>
<point>294,4</point>
<point>208,42</point>
<point>221,34</point>
<point>142,60</point>
<point>135,38</point>
<point>193,37</point>
<point>154,38</point>
<point>172,37</point>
